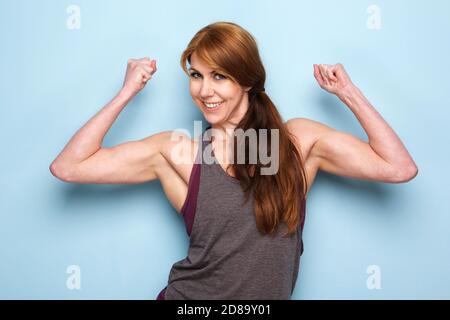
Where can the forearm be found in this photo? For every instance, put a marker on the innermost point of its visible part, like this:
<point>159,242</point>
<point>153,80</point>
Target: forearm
<point>382,139</point>
<point>89,138</point>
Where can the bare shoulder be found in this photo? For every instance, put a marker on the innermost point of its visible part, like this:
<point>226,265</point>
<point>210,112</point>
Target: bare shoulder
<point>176,153</point>
<point>306,133</point>
<point>174,163</point>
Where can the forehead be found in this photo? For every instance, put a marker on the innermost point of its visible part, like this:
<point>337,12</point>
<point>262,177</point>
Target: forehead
<point>198,64</point>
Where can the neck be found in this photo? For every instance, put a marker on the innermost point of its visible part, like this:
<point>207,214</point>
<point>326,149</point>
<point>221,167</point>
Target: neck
<point>224,131</point>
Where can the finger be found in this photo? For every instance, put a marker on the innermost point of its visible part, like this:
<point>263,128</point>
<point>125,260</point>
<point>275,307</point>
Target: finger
<point>331,74</point>
<point>147,68</point>
<point>150,66</point>
<point>319,81</point>
<point>153,64</point>
<point>324,74</point>
<point>317,75</point>
<point>146,62</point>
<point>146,76</point>
<point>145,79</point>
<point>340,72</point>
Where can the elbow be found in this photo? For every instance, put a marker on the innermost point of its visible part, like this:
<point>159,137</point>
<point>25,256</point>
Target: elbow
<point>406,174</point>
<point>60,171</point>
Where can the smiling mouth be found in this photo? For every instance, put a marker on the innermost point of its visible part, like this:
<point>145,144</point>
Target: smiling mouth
<point>213,105</point>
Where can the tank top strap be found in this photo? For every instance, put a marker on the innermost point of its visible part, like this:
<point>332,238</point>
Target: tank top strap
<point>190,204</point>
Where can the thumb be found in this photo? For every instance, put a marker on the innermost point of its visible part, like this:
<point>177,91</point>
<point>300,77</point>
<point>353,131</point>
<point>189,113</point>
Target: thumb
<point>153,65</point>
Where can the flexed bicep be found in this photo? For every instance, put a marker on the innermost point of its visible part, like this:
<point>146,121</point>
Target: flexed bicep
<point>127,163</point>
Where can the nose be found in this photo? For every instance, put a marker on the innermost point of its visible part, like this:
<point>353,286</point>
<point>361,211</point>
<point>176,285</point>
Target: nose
<point>206,90</point>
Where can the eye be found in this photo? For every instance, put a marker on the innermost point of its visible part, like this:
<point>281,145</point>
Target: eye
<point>194,75</point>
<point>218,76</point>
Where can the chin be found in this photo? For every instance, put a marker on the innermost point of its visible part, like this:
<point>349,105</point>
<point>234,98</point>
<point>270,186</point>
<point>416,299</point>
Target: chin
<point>211,119</point>
<point>214,115</point>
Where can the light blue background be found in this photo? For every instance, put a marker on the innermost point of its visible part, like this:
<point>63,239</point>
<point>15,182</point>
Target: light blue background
<point>125,238</point>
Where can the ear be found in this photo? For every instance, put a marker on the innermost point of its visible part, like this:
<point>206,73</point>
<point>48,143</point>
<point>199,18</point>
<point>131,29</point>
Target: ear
<point>247,89</point>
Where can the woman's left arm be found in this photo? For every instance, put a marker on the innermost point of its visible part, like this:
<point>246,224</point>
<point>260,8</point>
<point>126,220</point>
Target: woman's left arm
<point>383,158</point>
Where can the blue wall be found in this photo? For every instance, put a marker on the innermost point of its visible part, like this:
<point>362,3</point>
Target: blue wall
<point>125,238</point>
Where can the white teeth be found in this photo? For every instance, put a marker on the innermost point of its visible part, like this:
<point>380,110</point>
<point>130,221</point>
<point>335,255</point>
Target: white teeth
<point>213,105</point>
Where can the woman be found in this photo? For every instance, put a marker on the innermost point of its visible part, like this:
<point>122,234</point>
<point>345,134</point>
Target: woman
<point>239,249</point>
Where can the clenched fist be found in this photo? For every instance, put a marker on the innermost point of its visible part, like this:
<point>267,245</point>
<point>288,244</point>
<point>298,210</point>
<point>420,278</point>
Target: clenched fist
<point>139,71</point>
<point>332,78</point>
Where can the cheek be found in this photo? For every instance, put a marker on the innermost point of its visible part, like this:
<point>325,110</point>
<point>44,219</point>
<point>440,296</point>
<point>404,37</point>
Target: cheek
<point>194,88</point>
<point>194,91</point>
<point>234,88</point>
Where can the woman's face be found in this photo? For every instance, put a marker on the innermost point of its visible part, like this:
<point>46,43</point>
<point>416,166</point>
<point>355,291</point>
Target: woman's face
<point>222,101</point>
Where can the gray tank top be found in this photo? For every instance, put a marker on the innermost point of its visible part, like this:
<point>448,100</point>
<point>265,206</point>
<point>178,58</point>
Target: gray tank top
<point>228,258</point>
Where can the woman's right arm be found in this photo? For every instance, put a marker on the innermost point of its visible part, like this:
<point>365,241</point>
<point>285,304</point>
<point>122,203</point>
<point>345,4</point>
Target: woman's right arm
<point>83,160</point>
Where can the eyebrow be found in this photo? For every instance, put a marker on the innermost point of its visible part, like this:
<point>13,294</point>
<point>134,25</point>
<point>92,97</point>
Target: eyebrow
<point>193,69</point>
